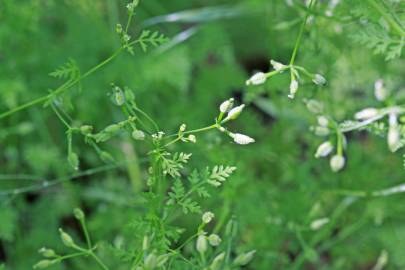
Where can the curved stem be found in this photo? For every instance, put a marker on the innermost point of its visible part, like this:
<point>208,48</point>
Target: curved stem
<point>298,41</point>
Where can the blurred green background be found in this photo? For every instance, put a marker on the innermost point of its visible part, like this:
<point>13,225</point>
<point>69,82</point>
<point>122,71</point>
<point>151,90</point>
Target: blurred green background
<point>215,46</point>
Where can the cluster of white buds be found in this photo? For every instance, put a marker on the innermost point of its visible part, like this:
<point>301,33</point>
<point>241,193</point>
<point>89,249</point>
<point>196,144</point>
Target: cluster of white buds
<point>131,6</point>
<point>232,114</point>
<point>207,217</point>
<point>158,136</point>
<point>337,161</point>
<point>257,78</point>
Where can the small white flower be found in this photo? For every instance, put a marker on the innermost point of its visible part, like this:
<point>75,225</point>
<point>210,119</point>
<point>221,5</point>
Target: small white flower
<point>241,138</point>
<point>366,113</point>
<point>138,135</point>
<point>324,149</point>
<point>234,113</point>
<point>214,240</point>
<point>393,136</point>
<point>182,127</point>
<point>207,217</point>
<point>319,223</point>
<point>256,79</point>
<point>319,79</point>
<point>201,244</point>
<point>192,138</point>
<point>277,65</point>
<point>380,92</point>
<point>337,162</point>
<point>226,106</point>
<point>293,88</point>
<point>323,121</point>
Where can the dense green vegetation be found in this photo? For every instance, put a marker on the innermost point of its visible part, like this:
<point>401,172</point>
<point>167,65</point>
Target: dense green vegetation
<point>215,134</point>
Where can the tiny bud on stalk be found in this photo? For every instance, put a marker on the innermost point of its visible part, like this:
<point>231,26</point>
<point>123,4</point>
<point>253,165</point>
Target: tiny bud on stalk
<point>337,162</point>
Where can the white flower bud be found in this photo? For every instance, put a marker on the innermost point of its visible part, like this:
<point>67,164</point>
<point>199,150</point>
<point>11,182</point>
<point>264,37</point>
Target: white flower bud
<point>256,79</point>
<point>337,162</point>
<point>324,149</point>
<point>138,135</point>
<point>319,79</point>
<point>241,138</point>
<point>201,244</point>
<point>293,88</point>
<point>380,92</point>
<point>192,138</point>
<point>366,113</point>
<point>276,65</point>
<point>244,258</point>
<point>182,127</point>
<point>319,223</point>
<point>234,113</point>
<point>214,240</point>
<point>207,217</point>
<point>323,121</point>
<point>226,106</point>
<point>393,136</point>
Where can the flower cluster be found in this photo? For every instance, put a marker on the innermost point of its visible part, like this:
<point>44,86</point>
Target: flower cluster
<point>261,77</point>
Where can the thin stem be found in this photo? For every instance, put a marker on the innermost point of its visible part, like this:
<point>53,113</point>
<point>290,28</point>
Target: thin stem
<point>298,41</point>
<point>86,234</point>
<point>97,259</point>
<point>60,116</point>
<point>62,88</point>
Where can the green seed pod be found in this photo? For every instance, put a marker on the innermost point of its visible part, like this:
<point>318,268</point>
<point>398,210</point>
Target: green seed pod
<point>43,264</point>
<point>244,258</point>
<point>129,95</point>
<point>66,239</point>
<point>106,157</point>
<point>150,262</point>
<point>73,160</point>
<point>217,262</point>
<point>112,128</point>
<point>86,129</point>
<point>78,213</point>
<point>46,252</point>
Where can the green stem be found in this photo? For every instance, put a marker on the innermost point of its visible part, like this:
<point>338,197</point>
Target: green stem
<point>62,88</point>
<point>97,259</point>
<point>298,41</point>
